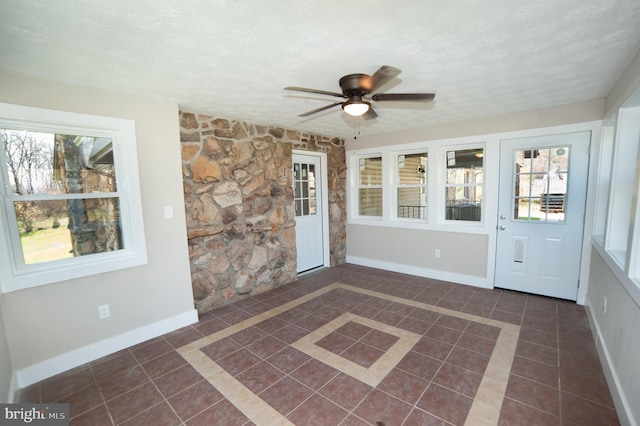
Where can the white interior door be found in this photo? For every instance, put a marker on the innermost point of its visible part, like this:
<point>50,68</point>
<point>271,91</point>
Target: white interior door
<point>307,183</point>
<point>543,182</point>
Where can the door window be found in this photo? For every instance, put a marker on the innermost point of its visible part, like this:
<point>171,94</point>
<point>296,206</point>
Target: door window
<point>540,187</point>
<point>304,176</point>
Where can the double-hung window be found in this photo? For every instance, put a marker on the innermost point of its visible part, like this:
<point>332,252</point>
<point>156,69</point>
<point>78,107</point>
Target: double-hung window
<point>464,184</point>
<point>369,188</point>
<point>411,189</point>
<point>70,198</point>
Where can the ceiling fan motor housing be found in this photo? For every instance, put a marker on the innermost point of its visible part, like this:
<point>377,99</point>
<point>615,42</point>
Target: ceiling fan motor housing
<point>355,84</point>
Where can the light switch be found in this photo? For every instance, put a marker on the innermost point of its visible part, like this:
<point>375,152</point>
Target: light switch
<point>168,212</point>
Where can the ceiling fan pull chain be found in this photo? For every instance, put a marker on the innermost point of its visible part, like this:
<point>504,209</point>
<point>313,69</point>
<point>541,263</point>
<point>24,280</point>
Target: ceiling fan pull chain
<point>355,128</point>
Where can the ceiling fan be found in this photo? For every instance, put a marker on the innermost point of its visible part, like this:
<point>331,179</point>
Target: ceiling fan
<point>359,89</point>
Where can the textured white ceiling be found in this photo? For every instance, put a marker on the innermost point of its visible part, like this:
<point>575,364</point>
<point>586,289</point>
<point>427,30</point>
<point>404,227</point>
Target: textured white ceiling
<point>232,58</point>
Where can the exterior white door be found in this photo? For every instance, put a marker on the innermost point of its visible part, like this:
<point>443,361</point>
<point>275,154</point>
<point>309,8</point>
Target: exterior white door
<point>307,186</point>
<point>543,183</point>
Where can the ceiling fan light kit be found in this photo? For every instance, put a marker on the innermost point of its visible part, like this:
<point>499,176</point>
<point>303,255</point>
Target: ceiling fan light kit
<point>359,89</point>
<point>356,108</point>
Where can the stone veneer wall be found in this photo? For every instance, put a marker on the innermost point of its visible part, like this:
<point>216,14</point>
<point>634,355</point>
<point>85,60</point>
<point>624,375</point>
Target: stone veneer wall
<point>94,223</point>
<point>240,214</point>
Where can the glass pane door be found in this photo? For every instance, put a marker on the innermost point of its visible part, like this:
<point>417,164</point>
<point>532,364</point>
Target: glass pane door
<point>304,181</point>
<point>540,187</point>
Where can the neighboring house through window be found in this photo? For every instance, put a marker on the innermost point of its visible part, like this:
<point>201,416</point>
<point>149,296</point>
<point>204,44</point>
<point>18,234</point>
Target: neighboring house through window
<point>412,185</point>
<point>370,186</point>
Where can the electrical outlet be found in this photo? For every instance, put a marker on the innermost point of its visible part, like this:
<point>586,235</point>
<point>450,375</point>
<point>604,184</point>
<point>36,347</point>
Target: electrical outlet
<point>604,305</point>
<point>437,253</point>
<point>104,311</point>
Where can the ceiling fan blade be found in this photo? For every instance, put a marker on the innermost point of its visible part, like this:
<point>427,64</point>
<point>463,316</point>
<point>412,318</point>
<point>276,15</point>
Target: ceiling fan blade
<point>370,114</point>
<point>380,77</point>
<point>316,91</point>
<point>320,109</point>
<point>403,97</point>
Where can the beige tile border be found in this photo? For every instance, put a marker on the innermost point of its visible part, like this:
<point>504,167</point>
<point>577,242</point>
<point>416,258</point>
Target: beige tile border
<point>487,402</point>
<point>372,375</point>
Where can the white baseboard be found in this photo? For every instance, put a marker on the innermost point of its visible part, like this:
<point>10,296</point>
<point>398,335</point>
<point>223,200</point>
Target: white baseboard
<point>623,409</point>
<point>48,368</point>
<point>471,280</point>
<point>13,387</point>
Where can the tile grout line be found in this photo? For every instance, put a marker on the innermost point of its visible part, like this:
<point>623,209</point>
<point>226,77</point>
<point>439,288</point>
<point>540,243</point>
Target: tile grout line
<point>250,404</point>
<point>260,412</point>
<point>503,354</point>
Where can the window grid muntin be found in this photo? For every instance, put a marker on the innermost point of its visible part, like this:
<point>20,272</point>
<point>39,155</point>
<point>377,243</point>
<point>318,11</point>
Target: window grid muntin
<point>369,188</point>
<point>464,184</point>
<point>57,138</point>
<point>412,185</point>
<point>305,194</point>
<point>551,204</point>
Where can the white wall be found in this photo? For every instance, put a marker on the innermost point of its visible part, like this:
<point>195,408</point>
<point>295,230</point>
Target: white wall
<point>463,259</point>
<point>55,327</point>
<point>626,87</point>
<point>534,119</point>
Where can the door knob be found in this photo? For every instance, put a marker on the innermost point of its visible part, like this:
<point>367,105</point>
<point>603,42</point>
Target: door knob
<point>502,227</point>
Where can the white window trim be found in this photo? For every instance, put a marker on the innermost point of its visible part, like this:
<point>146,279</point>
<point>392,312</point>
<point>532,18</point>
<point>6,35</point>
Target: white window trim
<point>435,209</point>
<point>619,245</point>
<point>354,211</point>
<point>620,214</point>
<point>395,184</point>
<point>603,183</point>
<point>14,274</point>
<point>442,184</point>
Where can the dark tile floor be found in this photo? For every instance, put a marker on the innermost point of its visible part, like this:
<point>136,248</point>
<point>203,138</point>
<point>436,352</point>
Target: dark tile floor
<point>555,376</point>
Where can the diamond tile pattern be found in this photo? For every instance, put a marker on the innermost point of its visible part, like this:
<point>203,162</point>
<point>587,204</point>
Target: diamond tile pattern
<point>299,355</point>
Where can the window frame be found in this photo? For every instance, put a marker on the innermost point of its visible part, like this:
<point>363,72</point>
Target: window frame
<point>396,185</point>
<point>356,186</point>
<point>442,201</point>
<point>547,195</point>
<point>15,274</point>
<point>603,183</point>
<point>616,228</point>
<point>302,197</point>
<point>620,214</point>
<point>435,209</point>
